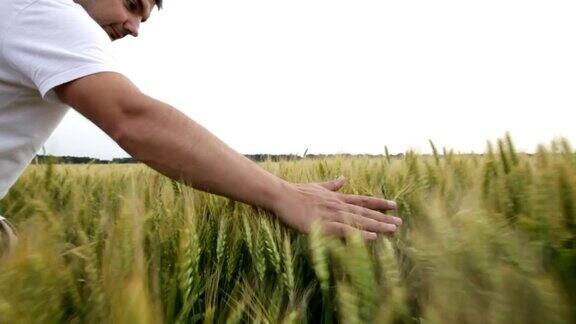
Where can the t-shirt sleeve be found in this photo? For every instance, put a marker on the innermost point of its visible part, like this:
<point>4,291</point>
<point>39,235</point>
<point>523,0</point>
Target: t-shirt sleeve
<point>51,42</point>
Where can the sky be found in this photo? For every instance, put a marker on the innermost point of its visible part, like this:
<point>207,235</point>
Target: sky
<point>280,77</point>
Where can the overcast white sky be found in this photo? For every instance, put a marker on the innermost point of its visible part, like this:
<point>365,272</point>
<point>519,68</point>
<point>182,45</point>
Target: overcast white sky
<point>352,76</point>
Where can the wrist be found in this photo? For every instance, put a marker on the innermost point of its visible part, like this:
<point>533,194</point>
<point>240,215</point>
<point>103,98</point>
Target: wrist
<point>278,193</point>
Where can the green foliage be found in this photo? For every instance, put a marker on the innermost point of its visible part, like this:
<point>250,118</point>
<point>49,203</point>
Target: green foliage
<point>486,239</point>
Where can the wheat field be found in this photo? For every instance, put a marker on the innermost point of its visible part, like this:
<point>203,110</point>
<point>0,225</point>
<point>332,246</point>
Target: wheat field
<point>486,239</point>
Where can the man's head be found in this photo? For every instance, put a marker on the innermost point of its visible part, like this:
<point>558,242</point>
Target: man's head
<point>120,17</point>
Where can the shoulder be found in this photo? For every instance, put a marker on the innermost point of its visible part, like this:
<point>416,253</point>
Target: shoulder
<point>57,15</point>
<point>12,9</point>
<point>51,42</point>
<point>48,18</point>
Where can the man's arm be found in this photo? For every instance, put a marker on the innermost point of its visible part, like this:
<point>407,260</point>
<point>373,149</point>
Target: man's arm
<point>176,146</point>
<point>168,141</point>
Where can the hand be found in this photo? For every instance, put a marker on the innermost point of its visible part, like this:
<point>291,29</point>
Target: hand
<point>337,213</point>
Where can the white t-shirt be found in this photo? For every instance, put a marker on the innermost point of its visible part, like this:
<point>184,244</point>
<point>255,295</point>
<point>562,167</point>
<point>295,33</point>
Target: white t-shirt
<point>43,44</point>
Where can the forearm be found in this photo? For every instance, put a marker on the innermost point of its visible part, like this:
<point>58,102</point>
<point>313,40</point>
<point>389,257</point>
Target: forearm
<point>176,146</point>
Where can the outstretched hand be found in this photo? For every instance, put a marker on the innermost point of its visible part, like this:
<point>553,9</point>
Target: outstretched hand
<point>338,214</point>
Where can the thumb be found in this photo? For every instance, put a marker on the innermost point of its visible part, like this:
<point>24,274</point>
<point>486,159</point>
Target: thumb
<point>334,185</point>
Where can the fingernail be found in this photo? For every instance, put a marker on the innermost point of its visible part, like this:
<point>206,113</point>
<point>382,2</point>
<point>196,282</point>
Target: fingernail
<point>393,205</point>
<point>397,220</point>
<point>390,227</point>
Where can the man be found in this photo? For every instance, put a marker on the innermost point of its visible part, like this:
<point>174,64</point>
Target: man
<point>54,54</point>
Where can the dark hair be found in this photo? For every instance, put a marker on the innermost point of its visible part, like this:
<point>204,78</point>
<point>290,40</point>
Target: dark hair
<point>159,4</point>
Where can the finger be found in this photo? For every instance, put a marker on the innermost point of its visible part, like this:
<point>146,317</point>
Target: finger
<point>373,214</point>
<point>364,223</point>
<point>343,230</point>
<point>334,185</point>
<point>369,202</point>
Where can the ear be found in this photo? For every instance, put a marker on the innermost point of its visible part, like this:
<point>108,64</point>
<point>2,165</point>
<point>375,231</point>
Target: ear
<point>334,185</point>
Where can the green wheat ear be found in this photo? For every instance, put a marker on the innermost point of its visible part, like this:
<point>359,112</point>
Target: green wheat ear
<point>184,265</point>
<point>356,263</point>
<point>511,149</point>
<point>503,157</point>
<point>222,238</point>
<point>270,246</point>
<point>348,303</point>
<point>288,273</point>
<point>435,152</point>
<point>393,292</point>
<point>319,252</point>
<point>259,257</point>
<point>248,234</point>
